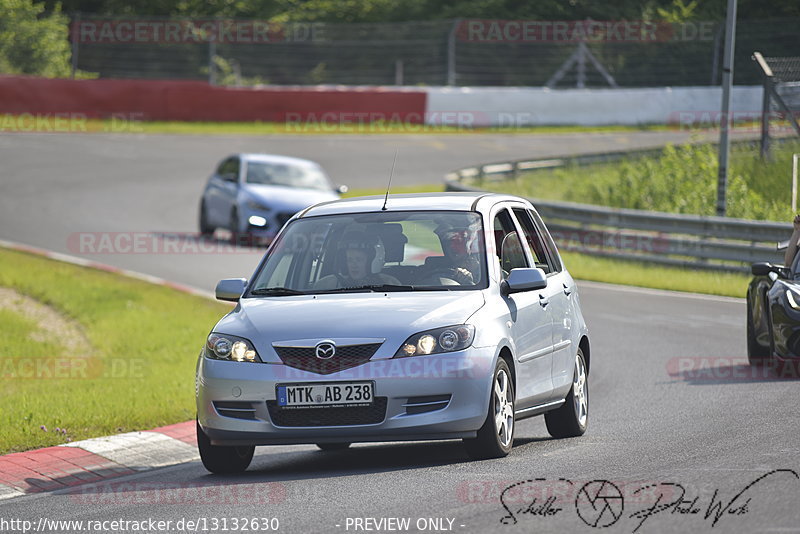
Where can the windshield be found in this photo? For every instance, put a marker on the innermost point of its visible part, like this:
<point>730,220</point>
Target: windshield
<point>288,175</point>
<point>386,251</point>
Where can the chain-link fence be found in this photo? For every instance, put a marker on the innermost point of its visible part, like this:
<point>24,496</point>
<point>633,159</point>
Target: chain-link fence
<point>454,52</point>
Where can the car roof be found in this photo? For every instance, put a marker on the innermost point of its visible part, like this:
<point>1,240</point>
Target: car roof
<point>276,158</point>
<point>411,202</point>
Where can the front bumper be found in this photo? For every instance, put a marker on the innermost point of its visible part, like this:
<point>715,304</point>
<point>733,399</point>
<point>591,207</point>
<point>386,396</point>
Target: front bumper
<point>442,396</point>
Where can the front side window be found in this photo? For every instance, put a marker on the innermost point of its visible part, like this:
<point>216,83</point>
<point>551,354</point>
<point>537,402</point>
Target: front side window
<point>287,175</point>
<point>536,245</point>
<point>510,253</point>
<point>401,251</point>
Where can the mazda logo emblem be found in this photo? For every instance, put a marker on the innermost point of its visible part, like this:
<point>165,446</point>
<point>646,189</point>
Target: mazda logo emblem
<point>325,350</point>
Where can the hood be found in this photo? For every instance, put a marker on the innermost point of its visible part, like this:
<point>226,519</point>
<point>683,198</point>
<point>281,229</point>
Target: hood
<point>288,197</point>
<point>390,316</point>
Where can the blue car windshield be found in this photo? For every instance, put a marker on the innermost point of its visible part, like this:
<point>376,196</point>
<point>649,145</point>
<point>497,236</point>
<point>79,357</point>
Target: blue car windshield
<point>385,251</point>
<point>286,175</point>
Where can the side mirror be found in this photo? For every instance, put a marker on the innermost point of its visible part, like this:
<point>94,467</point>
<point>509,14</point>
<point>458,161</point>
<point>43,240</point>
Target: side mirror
<point>342,189</point>
<point>230,289</point>
<point>763,268</point>
<point>527,279</point>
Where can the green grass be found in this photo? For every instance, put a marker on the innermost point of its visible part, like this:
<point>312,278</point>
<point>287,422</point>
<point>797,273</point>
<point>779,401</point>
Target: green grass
<point>139,374</point>
<point>682,180</point>
<point>395,190</point>
<point>642,274</point>
<point>78,124</point>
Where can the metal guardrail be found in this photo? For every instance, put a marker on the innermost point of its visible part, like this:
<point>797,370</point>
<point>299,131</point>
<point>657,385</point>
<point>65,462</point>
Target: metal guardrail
<point>706,242</point>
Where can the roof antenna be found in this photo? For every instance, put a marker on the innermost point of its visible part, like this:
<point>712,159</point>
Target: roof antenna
<point>391,172</point>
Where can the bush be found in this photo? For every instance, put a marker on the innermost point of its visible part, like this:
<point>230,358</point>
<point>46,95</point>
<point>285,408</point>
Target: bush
<point>31,42</point>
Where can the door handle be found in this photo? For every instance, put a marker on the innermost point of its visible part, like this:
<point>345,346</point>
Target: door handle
<point>567,290</point>
<point>543,301</point>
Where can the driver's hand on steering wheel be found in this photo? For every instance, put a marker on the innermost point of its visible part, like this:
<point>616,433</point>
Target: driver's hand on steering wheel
<point>463,276</point>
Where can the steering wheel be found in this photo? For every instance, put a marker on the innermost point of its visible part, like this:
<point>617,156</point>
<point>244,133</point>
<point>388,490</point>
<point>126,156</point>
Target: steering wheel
<point>451,273</point>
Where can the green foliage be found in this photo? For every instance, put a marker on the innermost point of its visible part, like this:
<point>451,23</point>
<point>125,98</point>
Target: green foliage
<point>140,366</point>
<point>682,180</point>
<point>32,42</point>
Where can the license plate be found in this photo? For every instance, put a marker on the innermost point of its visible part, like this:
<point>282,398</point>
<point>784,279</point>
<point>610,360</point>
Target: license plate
<point>326,395</point>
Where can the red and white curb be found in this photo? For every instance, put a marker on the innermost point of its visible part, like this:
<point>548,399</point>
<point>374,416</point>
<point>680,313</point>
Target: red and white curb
<point>97,459</point>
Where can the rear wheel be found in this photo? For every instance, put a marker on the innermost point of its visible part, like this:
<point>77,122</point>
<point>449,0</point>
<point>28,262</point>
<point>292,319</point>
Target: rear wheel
<point>333,446</point>
<point>496,436</point>
<point>572,418</point>
<point>756,354</point>
<point>220,459</point>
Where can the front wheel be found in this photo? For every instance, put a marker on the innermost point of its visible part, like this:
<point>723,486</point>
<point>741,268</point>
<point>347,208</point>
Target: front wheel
<point>756,354</point>
<point>572,418</point>
<point>221,459</point>
<point>496,436</point>
<point>206,229</point>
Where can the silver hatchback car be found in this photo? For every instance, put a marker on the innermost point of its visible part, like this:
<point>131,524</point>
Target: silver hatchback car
<point>417,317</point>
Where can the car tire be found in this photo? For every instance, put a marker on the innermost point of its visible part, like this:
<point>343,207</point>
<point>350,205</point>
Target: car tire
<point>496,437</point>
<point>237,238</point>
<point>572,418</point>
<point>221,459</point>
<point>206,230</point>
<point>756,354</point>
<point>333,446</point>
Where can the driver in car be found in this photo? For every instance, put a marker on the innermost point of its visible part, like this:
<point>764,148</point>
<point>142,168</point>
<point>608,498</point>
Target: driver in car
<point>458,262</point>
<point>364,257</point>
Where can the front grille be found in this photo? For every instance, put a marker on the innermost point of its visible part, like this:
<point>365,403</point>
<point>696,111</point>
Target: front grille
<point>236,409</point>
<point>430,403</point>
<point>347,356</point>
<point>336,416</point>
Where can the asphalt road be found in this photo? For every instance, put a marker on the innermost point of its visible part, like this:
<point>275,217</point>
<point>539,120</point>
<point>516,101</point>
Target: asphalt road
<point>660,432</point>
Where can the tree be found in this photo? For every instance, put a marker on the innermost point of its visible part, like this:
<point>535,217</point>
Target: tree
<point>32,42</point>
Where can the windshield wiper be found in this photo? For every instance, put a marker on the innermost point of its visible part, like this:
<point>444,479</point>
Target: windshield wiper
<point>371,287</point>
<point>276,291</point>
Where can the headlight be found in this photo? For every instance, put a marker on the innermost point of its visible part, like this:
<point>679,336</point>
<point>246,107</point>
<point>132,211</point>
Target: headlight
<point>793,297</point>
<point>255,205</point>
<point>447,339</point>
<point>224,347</point>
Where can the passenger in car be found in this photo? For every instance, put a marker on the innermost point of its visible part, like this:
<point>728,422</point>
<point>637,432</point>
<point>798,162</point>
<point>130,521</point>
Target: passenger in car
<point>363,260</point>
<point>791,250</point>
<point>458,263</point>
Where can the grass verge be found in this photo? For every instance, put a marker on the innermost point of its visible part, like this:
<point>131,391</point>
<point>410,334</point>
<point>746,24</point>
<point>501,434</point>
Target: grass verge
<point>683,179</point>
<point>80,124</point>
<point>136,372</point>
<point>643,274</point>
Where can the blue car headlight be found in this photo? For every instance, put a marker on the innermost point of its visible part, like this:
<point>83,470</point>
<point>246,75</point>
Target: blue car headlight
<point>437,341</point>
<point>232,348</point>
